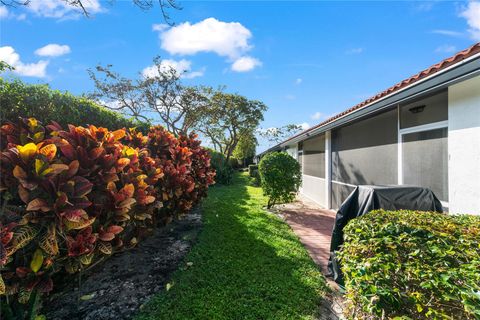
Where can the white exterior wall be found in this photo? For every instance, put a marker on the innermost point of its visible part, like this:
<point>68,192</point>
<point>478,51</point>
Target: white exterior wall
<point>464,146</point>
<point>314,189</point>
<point>292,150</point>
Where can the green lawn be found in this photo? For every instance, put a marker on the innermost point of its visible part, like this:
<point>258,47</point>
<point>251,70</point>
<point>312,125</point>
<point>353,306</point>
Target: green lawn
<point>247,264</point>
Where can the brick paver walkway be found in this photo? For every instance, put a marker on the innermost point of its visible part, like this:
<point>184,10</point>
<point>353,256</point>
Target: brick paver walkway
<point>313,225</point>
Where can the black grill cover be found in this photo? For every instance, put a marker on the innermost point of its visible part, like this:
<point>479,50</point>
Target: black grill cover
<point>367,198</point>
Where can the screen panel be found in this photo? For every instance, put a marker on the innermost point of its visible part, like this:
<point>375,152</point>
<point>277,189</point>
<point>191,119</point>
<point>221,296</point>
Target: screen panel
<point>427,110</point>
<point>365,152</point>
<point>425,160</point>
<point>314,157</point>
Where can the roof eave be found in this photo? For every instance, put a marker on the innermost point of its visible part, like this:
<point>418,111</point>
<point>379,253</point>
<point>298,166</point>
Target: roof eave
<point>459,71</point>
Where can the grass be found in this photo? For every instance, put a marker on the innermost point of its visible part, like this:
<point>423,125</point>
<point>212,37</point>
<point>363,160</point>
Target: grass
<point>247,264</point>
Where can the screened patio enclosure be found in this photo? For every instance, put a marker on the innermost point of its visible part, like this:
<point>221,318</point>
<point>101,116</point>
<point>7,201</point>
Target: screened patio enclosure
<point>406,145</point>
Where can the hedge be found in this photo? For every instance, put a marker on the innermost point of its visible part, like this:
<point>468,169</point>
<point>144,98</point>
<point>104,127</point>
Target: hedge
<point>39,101</point>
<point>410,264</point>
<point>70,197</point>
<point>223,169</point>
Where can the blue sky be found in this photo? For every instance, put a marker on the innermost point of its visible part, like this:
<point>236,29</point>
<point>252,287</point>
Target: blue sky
<point>305,60</point>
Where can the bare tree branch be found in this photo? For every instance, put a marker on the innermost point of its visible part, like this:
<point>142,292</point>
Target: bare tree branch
<point>165,6</point>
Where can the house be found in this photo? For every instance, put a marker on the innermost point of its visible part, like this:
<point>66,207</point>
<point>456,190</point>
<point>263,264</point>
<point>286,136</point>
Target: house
<point>423,131</point>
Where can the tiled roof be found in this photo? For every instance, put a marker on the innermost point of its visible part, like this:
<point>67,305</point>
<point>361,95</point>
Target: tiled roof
<point>462,55</point>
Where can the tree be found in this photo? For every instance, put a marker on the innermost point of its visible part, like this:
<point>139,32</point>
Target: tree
<point>280,177</point>
<point>246,147</point>
<point>227,118</point>
<point>165,5</point>
<point>277,135</point>
<point>156,95</point>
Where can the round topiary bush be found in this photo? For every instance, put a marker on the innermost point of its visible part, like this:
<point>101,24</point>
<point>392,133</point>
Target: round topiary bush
<point>412,265</point>
<point>280,177</point>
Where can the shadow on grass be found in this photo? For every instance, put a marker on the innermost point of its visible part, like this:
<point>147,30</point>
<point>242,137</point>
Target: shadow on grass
<point>247,264</point>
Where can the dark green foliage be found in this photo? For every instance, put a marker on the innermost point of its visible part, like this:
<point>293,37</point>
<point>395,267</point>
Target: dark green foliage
<point>234,163</point>
<point>280,177</point>
<point>18,99</point>
<point>251,170</point>
<point>224,171</point>
<point>420,265</point>
<point>253,173</point>
<point>247,264</point>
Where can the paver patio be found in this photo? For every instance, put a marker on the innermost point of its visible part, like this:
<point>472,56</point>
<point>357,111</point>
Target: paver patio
<point>313,225</point>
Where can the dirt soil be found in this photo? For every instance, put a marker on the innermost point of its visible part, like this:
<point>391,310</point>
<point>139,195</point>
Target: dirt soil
<point>118,287</point>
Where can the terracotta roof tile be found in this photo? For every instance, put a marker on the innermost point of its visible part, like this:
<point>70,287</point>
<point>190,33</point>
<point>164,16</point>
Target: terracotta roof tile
<point>462,55</point>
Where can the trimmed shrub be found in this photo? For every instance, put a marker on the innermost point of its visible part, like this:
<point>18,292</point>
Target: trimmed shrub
<point>410,264</point>
<point>44,104</point>
<point>234,163</point>
<point>71,197</point>
<point>280,177</point>
<point>224,172</point>
<point>252,169</point>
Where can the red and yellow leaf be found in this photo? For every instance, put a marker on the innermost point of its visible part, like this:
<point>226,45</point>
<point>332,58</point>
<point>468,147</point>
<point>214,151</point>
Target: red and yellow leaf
<point>27,151</point>
<point>118,134</point>
<point>38,205</point>
<point>114,229</point>
<point>49,151</point>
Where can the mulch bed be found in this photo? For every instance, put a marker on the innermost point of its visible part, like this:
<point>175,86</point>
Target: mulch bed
<point>118,287</point>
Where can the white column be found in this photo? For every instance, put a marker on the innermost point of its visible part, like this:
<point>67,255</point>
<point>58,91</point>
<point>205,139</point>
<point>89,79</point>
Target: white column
<point>464,147</point>
<point>328,169</point>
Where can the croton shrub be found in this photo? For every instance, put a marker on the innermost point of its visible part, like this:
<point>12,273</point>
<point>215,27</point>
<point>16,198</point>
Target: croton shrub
<point>72,196</point>
<point>412,265</point>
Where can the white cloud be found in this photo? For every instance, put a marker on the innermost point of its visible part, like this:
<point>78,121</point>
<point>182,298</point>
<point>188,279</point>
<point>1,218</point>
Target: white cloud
<point>317,116</point>
<point>424,6</point>
<point>182,67</point>
<point>445,49</point>
<point>37,69</point>
<point>60,9</point>
<point>354,51</point>
<point>472,14</point>
<point>53,50</point>
<point>226,39</point>
<point>304,125</point>
<point>290,97</point>
<point>5,14</point>
<point>160,27</point>
<point>450,33</point>
<point>244,64</point>
<point>298,81</point>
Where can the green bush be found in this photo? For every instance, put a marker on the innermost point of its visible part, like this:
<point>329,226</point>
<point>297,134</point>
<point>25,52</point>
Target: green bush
<point>256,182</point>
<point>18,99</point>
<point>280,177</point>
<point>224,172</point>
<point>234,163</point>
<point>415,265</point>
<point>251,170</point>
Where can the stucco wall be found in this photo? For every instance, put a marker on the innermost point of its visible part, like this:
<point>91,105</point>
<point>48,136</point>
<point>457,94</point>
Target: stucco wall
<point>314,188</point>
<point>464,146</point>
<point>292,150</point>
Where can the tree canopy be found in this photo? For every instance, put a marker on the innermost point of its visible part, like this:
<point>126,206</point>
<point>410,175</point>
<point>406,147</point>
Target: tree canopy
<point>158,95</point>
<point>227,118</point>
